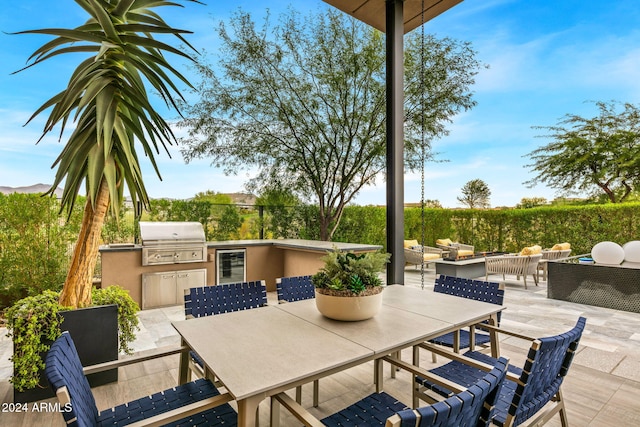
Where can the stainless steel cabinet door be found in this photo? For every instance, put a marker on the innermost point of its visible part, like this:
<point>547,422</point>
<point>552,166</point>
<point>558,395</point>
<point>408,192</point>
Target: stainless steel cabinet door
<point>158,289</point>
<point>189,279</point>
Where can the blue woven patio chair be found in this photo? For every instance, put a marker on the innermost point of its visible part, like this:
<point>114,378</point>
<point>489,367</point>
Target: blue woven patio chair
<point>291,289</point>
<point>297,288</point>
<point>526,391</point>
<point>478,290</point>
<point>194,403</point>
<point>472,407</point>
<point>225,298</point>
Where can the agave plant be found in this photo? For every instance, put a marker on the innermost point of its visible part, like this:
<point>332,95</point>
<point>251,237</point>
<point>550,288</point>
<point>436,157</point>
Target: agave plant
<point>106,98</point>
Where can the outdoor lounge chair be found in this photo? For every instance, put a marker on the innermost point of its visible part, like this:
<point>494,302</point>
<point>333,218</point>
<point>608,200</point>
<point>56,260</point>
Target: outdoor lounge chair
<point>290,289</point>
<point>527,390</point>
<point>472,289</point>
<point>471,407</point>
<point>518,265</point>
<point>419,255</point>
<point>454,249</point>
<point>194,403</point>
<point>298,288</point>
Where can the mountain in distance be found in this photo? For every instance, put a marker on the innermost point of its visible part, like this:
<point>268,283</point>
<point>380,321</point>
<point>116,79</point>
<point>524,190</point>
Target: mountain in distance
<point>236,198</point>
<point>37,188</point>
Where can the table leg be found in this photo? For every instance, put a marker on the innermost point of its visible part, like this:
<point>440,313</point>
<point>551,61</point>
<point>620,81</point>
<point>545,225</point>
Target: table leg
<point>275,413</point>
<point>394,368</point>
<point>248,411</point>
<point>183,367</point>
<point>377,374</point>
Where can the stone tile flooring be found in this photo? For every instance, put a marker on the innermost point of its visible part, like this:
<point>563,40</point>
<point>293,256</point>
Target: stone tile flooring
<point>602,389</point>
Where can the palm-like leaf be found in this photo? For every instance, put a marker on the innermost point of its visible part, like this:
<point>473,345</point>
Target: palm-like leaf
<point>107,100</point>
<point>106,96</point>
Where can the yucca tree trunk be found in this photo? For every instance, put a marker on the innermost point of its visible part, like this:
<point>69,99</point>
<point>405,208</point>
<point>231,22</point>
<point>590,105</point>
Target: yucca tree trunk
<point>77,287</point>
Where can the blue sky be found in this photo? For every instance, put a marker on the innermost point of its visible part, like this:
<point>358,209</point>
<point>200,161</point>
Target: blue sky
<point>545,60</point>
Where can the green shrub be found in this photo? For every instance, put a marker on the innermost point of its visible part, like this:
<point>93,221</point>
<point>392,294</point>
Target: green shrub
<point>34,322</point>
<point>35,244</point>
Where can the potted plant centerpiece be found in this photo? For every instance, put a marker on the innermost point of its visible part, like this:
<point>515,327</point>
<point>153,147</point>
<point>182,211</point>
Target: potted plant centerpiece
<point>348,287</point>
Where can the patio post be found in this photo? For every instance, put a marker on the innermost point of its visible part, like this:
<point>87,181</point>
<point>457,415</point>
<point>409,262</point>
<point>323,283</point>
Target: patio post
<point>395,139</point>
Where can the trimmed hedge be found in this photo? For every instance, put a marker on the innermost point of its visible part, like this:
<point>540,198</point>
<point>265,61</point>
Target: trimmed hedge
<point>35,242</point>
<point>507,230</point>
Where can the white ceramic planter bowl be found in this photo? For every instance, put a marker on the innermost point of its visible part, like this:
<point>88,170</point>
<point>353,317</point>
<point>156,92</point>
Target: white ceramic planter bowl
<point>348,308</point>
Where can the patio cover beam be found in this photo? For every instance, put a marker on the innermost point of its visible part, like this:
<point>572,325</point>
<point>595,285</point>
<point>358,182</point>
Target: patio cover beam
<point>395,18</point>
<point>373,12</point>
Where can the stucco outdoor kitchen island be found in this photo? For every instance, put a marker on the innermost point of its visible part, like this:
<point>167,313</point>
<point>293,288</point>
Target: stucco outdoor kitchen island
<point>232,260</point>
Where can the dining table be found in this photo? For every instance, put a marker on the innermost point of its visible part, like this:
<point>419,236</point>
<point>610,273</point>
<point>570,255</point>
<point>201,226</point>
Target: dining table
<point>261,352</point>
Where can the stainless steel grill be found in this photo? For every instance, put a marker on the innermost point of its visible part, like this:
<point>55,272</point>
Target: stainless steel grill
<point>172,242</point>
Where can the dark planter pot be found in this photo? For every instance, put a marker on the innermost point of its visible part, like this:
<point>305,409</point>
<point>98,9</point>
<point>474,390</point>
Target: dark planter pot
<point>94,331</point>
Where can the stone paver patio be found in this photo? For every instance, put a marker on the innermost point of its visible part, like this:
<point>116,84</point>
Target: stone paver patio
<point>602,389</point>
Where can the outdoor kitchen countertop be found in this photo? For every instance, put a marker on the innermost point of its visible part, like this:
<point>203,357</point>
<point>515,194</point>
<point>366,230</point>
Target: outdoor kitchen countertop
<point>308,245</point>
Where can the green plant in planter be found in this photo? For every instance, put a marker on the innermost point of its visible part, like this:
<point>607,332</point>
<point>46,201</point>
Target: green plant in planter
<point>38,321</point>
<point>127,309</point>
<point>350,274</point>
<point>34,322</point>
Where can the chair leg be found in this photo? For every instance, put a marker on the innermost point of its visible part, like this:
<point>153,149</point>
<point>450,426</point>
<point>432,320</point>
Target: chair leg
<point>416,386</point>
<point>563,411</point>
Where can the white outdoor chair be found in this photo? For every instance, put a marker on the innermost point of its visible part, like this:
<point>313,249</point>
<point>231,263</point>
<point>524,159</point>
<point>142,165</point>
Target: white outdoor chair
<point>518,265</point>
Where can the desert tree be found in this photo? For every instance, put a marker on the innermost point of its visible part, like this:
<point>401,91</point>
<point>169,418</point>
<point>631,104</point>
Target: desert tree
<point>475,194</point>
<point>598,155</point>
<point>302,103</point>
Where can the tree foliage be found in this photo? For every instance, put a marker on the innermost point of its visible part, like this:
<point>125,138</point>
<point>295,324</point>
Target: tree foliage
<point>303,101</point>
<point>598,155</point>
<point>280,212</point>
<point>34,245</point>
<point>531,202</point>
<point>475,194</point>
